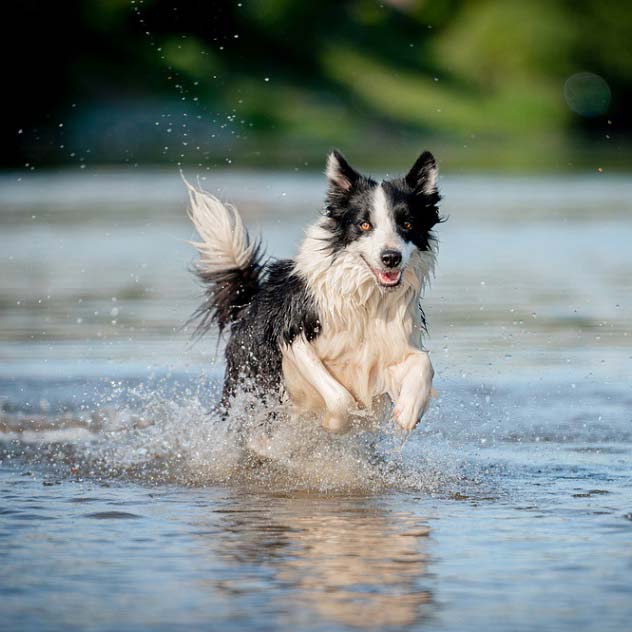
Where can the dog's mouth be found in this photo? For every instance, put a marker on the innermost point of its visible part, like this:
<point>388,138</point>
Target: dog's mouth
<point>388,278</point>
<point>385,278</point>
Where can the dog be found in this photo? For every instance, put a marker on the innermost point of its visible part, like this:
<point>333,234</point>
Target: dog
<point>337,329</point>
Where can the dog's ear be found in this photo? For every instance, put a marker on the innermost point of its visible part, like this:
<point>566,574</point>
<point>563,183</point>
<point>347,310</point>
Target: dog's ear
<point>341,175</point>
<point>423,175</point>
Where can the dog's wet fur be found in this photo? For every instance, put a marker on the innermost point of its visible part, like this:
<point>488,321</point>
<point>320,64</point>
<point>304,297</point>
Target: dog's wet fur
<point>297,325</point>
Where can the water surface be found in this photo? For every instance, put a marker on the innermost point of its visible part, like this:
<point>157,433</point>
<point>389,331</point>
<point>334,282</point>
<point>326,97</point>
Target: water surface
<point>124,505</point>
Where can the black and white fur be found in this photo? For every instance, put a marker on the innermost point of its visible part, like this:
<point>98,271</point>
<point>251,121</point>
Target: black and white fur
<point>337,328</point>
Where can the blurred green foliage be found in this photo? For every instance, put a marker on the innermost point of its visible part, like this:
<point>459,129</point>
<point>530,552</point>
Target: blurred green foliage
<point>277,82</point>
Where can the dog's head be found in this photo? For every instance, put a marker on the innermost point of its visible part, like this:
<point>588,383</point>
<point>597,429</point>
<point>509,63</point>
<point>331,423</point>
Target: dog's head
<point>385,223</point>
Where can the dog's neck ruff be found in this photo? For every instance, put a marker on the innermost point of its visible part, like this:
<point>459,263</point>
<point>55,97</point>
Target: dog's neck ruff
<point>345,289</point>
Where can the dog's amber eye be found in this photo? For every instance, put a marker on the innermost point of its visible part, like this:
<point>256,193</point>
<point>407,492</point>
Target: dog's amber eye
<point>365,226</point>
<point>407,226</point>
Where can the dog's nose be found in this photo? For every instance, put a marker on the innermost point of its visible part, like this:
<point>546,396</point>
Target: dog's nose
<point>391,258</point>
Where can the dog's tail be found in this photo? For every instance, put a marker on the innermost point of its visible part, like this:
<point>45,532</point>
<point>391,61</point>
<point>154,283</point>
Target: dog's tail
<point>230,264</point>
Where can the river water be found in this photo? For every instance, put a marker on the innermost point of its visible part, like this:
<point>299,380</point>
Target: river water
<point>125,506</point>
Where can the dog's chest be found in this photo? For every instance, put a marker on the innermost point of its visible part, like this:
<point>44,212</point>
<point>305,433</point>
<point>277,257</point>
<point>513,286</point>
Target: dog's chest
<point>359,355</point>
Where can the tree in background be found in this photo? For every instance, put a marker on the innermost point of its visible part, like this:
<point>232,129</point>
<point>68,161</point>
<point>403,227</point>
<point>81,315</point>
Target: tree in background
<point>493,82</point>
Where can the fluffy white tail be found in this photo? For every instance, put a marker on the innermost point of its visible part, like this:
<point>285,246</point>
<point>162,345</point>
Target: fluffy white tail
<point>230,264</point>
<point>225,242</point>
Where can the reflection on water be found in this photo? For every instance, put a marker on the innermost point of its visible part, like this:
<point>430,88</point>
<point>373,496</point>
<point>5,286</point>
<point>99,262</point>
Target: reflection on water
<point>355,564</point>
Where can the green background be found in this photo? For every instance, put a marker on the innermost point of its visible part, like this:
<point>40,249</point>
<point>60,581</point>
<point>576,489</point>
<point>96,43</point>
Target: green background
<point>275,83</point>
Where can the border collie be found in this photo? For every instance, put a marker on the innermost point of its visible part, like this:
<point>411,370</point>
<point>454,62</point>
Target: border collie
<point>337,329</point>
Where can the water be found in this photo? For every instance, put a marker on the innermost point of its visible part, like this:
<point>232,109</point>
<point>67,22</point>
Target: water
<point>125,505</point>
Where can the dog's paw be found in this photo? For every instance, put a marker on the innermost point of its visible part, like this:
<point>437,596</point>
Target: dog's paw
<point>336,422</point>
<point>339,409</point>
<point>410,408</point>
<point>416,390</point>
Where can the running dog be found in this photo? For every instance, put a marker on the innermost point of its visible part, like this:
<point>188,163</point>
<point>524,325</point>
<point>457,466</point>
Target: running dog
<point>337,329</point>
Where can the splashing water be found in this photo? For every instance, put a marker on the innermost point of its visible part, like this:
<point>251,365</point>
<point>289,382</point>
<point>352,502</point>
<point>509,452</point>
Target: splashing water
<point>163,431</point>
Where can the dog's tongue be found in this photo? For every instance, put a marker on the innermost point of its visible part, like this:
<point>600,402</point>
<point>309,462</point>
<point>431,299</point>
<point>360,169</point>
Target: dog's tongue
<point>389,277</point>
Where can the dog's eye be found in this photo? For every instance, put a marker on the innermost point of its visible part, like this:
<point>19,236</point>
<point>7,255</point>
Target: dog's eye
<point>365,226</point>
<point>407,226</point>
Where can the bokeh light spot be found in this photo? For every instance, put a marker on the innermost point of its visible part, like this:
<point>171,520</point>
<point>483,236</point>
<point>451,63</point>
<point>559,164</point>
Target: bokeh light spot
<point>587,94</point>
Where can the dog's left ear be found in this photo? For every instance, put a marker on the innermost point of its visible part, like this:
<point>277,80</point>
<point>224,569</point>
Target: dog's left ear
<point>423,176</point>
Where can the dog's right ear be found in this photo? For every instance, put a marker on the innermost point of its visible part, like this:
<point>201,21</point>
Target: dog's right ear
<point>341,175</point>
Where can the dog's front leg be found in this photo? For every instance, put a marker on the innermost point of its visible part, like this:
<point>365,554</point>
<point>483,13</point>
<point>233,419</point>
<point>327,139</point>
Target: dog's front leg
<point>338,400</point>
<point>412,387</point>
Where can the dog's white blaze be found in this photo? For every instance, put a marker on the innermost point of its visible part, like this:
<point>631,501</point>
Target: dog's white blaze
<point>384,235</point>
<point>383,220</point>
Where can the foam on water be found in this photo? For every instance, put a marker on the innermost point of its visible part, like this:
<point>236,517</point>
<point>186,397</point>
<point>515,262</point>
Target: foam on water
<point>155,434</point>
<point>160,430</point>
